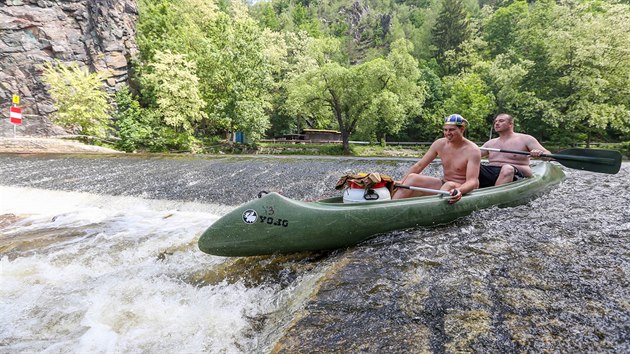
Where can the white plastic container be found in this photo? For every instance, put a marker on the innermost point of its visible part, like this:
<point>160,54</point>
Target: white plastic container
<point>356,194</point>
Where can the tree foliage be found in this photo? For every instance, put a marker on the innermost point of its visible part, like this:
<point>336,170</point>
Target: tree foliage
<point>451,29</point>
<point>469,96</point>
<point>218,69</point>
<point>135,125</point>
<point>173,82</point>
<point>377,95</point>
<point>589,50</point>
<point>574,57</point>
<point>238,75</point>
<point>80,98</point>
<point>377,69</point>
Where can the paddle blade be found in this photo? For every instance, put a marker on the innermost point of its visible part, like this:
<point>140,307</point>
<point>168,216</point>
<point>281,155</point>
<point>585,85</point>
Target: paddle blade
<point>596,160</point>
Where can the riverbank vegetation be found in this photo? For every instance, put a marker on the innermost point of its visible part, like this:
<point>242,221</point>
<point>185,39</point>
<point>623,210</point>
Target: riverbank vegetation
<point>319,150</point>
<point>373,70</point>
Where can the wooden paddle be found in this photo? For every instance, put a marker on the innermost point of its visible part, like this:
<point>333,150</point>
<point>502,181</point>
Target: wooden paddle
<point>596,160</point>
<point>426,190</point>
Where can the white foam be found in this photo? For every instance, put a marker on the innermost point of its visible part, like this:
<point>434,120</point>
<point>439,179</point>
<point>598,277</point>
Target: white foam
<point>24,200</point>
<point>104,288</point>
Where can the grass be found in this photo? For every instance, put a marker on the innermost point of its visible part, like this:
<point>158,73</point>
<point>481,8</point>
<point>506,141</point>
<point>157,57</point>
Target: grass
<point>337,150</point>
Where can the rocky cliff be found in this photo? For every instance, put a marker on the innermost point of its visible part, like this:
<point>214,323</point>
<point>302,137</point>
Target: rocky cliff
<point>99,34</point>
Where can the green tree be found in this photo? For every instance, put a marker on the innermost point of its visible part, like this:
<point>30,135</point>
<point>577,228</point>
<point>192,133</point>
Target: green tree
<point>505,77</point>
<point>467,94</point>
<point>264,13</point>
<point>547,62</point>
<point>380,93</point>
<point>518,72</point>
<point>589,48</point>
<point>226,47</point>
<point>452,28</point>
<point>290,54</point>
<point>173,82</point>
<point>407,89</point>
<point>423,127</point>
<point>80,98</point>
<point>501,28</point>
<point>560,63</point>
<point>134,124</point>
<point>238,75</point>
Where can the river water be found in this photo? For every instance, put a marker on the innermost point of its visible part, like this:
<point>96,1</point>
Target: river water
<point>98,254</point>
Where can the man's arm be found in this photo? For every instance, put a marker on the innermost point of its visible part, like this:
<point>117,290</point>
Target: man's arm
<point>426,159</point>
<point>488,144</point>
<point>485,153</point>
<point>535,148</point>
<point>472,172</point>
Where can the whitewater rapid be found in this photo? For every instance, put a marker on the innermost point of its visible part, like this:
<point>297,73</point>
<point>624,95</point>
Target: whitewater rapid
<point>87,273</point>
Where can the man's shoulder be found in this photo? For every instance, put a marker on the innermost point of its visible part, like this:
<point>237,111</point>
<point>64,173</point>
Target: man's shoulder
<point>439,142</point>
<point>523,136</point>
<point>491,142</point>
<point>471,145</point>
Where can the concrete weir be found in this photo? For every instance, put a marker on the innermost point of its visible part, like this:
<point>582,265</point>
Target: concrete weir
<point>118,256</point>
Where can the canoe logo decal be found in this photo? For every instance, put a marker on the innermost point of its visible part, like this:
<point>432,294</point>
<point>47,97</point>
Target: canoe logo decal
<point>277,222</point>
<point>250,216</point>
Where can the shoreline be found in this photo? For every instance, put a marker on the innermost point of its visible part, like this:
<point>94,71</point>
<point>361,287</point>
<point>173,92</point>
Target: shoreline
<point>60,145</point>
<point>34,145</point>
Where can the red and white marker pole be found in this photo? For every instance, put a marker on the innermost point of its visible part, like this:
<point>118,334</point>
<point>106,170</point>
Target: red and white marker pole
<point>15,116</point>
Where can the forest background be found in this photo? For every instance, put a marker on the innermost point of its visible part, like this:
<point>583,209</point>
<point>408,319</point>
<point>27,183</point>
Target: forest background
<point>386,70</point>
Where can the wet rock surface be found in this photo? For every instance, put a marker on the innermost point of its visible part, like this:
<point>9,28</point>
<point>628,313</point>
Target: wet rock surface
<point>552,275</point>
<point>229,180</point>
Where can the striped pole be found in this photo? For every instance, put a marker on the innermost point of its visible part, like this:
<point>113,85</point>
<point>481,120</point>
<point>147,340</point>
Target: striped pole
<point>15,116</point>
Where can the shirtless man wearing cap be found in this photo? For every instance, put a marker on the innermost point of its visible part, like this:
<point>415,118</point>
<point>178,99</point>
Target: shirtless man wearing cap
<point>505,167</point>
<point>460,161</point>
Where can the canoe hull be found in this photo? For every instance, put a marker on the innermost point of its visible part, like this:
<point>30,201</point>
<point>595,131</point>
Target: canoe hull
<point>276,224</point>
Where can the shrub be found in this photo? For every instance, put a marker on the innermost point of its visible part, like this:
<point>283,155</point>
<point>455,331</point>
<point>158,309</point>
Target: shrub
<point>134,124</point>
<point>336,149</point>
<point>80,98</point>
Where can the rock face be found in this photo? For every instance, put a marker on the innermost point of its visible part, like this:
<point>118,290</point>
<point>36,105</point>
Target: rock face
<point>99,34</point>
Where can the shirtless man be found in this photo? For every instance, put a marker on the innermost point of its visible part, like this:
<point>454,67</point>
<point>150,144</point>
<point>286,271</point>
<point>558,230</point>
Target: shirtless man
<point>504,167</point>
<point>460,161</point>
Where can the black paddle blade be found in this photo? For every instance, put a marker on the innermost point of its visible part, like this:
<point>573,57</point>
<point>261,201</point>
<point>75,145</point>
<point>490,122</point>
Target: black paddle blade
<point>596,160</point>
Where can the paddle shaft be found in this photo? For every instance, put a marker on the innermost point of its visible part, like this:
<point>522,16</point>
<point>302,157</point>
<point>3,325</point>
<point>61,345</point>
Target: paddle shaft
<point>426,190</point>
<point>596,160</point>
<point>601,160</point>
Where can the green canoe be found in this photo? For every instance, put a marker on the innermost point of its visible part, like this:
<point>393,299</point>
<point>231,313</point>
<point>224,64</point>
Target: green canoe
<point>276,224</point>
